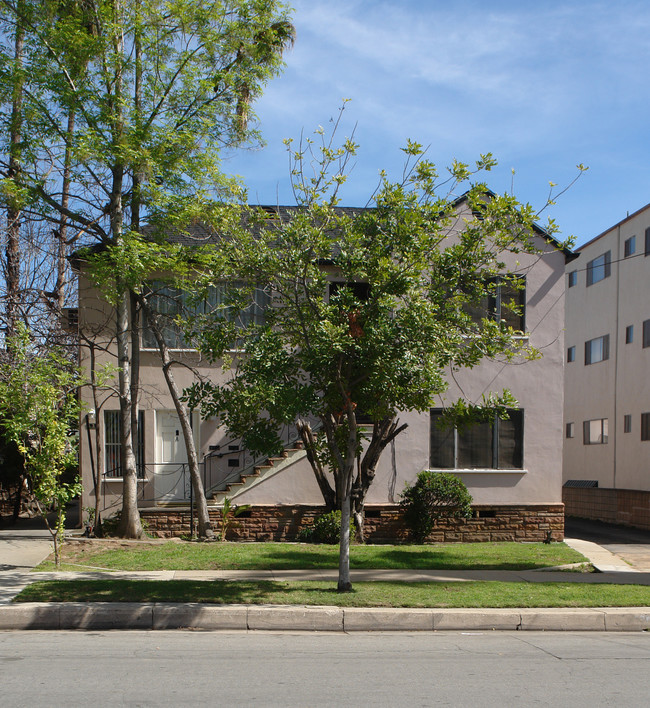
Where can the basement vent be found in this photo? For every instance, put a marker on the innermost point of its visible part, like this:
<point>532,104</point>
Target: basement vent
<point>581,483</point>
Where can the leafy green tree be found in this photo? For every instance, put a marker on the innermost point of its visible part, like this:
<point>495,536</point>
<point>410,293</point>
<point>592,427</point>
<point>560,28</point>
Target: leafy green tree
<point>38,412</point>
<point>371,310</point>
<point>130,103</point>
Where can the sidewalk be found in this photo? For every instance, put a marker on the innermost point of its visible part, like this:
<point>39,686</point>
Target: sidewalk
<point>303,618</point>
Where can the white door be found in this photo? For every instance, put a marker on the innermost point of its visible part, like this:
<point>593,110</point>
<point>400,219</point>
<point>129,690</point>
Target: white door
<point>172,473</point>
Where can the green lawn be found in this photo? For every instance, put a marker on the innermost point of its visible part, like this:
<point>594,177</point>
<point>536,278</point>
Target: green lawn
<point>375,594</point>
<point>289,556</point>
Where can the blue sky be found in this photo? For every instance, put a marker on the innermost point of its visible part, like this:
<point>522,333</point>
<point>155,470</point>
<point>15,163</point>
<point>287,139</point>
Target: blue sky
<point>542,86</point>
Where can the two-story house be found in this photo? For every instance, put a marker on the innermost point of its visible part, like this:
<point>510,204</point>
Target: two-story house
<point>513,468</point>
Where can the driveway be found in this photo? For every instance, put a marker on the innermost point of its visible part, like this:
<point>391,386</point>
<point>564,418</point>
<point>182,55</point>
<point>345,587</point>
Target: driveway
<point>630,544</point>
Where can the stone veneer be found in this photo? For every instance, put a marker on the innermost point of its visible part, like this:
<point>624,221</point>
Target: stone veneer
<point>629,507</point>
<point>384,523</point>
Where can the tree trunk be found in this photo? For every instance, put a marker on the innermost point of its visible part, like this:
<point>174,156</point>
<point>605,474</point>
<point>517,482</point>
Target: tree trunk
<point>205,526</point>
<point>12,254</point>
<point>383,433</point>
<point>345,584</point>
<point>307,437</point>
<point>130,524</point>
<point>98,467</point>
<point>62,233</point>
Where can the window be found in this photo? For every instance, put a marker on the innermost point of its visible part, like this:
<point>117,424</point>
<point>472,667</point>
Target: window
<point>595,431</point>
<point>647,242</point>
<point>360,291</point>
<point>597,349</point>
<point>495,445</point>
<point>506,302</point>
<point>627,423</point>
<point>570,354</point>
<point>599,269</point>
<point>646,334</point>
<point>570,430</point>
<point>113,445</point>
<point>629,334</point>
<point>573,278</point>
<point>645,426</point>
<point>630,246</point>
<point>172,302</point>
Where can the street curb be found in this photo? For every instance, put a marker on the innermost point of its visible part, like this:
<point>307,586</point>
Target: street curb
<point>165,616</point>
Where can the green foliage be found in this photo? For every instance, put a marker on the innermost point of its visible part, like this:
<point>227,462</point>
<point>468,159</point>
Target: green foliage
<point>269,555</point>
<point>326,529</point>
<point>229,512</point>
<point>411,272</point>
<point>434,495</point>
<point>157,90</point>
<point>38,413</point>
<point>367,594</point>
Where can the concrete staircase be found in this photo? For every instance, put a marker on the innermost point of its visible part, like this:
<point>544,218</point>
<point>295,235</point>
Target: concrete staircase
<point>257,475</point>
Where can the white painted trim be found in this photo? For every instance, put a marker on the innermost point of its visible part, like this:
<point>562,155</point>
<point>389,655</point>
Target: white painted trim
<point>486,471</point>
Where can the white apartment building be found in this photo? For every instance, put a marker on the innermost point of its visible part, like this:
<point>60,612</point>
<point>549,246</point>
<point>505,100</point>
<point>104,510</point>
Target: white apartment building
<point>607,376</point>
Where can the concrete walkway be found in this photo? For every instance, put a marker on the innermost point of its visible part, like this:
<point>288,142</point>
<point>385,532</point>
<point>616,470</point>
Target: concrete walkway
<point>20,552</point>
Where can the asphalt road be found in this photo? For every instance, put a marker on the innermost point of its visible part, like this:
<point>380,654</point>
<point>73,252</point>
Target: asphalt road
<point>284,669</point>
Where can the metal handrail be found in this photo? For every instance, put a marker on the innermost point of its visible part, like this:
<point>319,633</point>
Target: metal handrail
<point>248,469</point>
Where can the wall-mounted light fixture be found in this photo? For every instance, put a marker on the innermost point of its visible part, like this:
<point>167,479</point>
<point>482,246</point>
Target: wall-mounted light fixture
<point>91,418</point>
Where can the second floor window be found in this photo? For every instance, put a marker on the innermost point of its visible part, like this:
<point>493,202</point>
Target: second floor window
<point>595,432</point>
<point>597,349</point>
<point>599,269</point>
<point>175,304</point>
<point>506,302</point>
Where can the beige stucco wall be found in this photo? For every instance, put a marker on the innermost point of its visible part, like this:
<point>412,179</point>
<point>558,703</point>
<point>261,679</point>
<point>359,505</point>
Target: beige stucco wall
<point>619,386</point>
<point>538,386</point>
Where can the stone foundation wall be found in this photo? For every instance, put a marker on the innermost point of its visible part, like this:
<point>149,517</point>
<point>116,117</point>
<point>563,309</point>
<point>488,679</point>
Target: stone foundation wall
<point>628,507</point>
<point>384,523</point>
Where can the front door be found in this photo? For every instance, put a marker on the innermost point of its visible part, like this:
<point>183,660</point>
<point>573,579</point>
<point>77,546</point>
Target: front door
<point>171,470</point>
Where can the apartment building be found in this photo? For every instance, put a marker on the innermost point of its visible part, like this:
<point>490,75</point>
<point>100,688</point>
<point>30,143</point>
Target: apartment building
<point>512,468</point>
<point>607,383</point>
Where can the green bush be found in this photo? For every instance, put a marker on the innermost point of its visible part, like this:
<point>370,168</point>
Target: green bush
<point>434,495</point>
<point>326,529</point>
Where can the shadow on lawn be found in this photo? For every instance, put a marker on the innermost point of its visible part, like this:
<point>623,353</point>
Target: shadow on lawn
<point>150,591</point>
<point>391,557</point>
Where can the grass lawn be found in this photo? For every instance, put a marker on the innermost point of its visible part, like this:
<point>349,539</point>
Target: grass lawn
<point>374,594</point>
<point>174,555</point>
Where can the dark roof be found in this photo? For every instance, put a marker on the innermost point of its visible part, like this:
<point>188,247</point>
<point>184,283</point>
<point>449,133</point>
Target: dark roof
<point>199,234</point>
<point>569,255</point>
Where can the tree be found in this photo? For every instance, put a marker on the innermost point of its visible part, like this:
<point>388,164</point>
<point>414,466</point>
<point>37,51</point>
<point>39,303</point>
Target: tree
<point>372,309</point>
<point>154,91</point>
<point>38,412</point>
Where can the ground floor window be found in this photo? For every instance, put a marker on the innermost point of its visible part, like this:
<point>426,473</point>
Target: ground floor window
<point>595,431</point>
<point>498,444</point>
<point>113,445</point>
<point>645,426</point>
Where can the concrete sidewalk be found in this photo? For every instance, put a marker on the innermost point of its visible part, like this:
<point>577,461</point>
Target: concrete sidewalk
<point>15,557</point>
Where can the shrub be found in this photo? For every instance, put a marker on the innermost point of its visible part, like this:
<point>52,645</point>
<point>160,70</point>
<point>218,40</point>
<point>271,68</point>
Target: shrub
<point>434,495</point>
<point>326,529</point>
